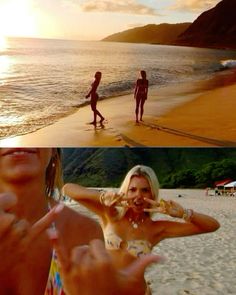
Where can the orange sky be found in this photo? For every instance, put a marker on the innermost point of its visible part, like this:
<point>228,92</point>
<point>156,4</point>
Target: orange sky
<point>91,19</point>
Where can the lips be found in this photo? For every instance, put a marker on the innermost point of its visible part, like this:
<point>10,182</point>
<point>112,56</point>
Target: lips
<point>18,151</point>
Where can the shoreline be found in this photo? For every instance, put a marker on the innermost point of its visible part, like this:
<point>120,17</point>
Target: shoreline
<point>180,120</point>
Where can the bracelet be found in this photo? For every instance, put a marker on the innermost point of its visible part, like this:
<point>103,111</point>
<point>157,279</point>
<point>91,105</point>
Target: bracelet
<point>101,197</point>
<point>188,214</point>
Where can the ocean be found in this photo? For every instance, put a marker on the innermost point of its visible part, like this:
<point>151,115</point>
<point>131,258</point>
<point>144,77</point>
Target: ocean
<point>42,80</point>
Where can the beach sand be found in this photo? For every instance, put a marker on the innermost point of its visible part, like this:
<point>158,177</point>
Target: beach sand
<point>201,264</point>
<point>189,118</point>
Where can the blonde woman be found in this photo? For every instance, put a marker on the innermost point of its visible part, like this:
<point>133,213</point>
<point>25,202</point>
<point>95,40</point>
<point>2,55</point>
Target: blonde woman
<point>128,228</point>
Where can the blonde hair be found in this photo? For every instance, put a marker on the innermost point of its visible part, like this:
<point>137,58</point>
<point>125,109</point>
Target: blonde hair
<point>145,171</point>
<point>54,174</point>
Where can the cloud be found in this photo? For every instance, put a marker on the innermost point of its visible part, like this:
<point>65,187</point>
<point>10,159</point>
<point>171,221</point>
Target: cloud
<point>194,5</point>
<point>118,6</point>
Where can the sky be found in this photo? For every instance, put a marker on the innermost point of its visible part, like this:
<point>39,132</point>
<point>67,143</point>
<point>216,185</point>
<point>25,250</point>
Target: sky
<point>92,19</point>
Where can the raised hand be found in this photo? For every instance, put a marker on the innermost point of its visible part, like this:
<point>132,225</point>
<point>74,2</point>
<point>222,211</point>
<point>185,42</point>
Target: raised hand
<point>165,207</point>
<point>89,270</point>
<point>16,235</point>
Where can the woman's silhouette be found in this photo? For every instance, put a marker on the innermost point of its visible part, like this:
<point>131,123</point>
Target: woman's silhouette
<point>140,94</point>
<point>94,98</point>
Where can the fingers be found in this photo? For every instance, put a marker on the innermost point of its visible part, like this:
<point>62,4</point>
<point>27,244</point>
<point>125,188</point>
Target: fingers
<point>98,250</point>
<point>152,202</point>
<point>45,222</point>
<point>7,201</point>
<point>6,221</point>
<point>157,210</point>
<point>62,255</point>
<point>20,229</point>
<point>137,268</point>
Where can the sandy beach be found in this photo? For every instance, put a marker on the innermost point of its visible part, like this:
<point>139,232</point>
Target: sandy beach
<point>203,264</point>
<point>189,118</point>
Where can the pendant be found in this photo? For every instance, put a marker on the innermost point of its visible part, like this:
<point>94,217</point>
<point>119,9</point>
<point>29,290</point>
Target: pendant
<point>134,224</point>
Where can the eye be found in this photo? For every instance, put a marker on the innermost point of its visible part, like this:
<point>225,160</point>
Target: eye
<point>146,190</point>
<point>132,189</point>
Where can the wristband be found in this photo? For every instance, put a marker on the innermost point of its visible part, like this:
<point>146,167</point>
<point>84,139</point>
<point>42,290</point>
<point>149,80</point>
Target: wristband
<point>188,214</point>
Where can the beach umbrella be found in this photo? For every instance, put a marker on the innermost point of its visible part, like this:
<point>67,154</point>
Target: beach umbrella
<point>231,184</point>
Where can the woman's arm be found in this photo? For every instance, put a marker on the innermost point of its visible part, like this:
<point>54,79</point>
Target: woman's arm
<point>136,89</point>
<point>192,222</point>
<point>90,198</point>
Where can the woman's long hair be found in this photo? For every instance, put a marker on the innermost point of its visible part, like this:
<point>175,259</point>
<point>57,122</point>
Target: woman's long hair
<point>145,171</point>
<point>54,174</point>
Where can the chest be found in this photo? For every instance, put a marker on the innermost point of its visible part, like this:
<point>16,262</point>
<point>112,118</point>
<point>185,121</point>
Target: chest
<point>29,274</point>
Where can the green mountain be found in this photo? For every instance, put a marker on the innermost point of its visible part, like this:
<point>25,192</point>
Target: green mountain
<point>175,167</point>
<point>161,34</point>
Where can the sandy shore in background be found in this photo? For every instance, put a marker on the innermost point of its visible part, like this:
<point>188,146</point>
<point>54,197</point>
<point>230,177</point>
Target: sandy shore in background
<point>187,119</point>
<point>202,264</point>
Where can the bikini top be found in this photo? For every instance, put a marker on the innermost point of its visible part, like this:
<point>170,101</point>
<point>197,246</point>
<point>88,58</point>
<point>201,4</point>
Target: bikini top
<point>134,247</point>
<point>54,284</point>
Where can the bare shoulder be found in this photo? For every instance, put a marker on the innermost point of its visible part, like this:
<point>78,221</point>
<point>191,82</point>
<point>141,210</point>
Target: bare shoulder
<point>77,229</point>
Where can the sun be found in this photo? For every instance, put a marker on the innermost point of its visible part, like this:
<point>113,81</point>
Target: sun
<point>17,18</point>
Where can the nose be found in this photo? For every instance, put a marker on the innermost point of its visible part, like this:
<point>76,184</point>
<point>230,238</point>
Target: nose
<point>138,194</point>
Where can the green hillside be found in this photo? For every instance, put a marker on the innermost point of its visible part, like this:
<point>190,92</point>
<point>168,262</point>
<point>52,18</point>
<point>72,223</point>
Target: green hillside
<point>175,167</point>
<point>158,34</point>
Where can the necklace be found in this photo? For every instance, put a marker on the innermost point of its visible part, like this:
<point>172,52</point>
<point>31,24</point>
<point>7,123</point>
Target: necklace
<point>135,224</point>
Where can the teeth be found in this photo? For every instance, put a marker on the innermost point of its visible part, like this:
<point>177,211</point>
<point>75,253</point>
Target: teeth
<point>20,152</point>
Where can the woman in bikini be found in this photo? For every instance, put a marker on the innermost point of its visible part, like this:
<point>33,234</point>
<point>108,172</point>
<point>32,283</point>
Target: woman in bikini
<point>140,95</point>
<point>37,232</point>
<point>94,98</point>
<point>129,231</point>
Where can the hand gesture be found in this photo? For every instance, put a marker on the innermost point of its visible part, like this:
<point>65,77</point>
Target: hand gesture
<point>165,207</point>
<point>16,235</point>
<point>89,270</point>
<point>111,198</point>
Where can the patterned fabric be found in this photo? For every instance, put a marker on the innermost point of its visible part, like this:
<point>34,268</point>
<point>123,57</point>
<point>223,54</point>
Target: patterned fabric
<point>134,247</point>
<point>54,284</point>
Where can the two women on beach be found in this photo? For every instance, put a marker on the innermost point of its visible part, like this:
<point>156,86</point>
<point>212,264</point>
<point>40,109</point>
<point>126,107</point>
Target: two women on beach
<point>126,217</point>
<point>140,96</point>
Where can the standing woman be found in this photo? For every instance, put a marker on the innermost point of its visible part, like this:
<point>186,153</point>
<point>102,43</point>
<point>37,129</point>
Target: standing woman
<point>140,95</point>
<point>126,217</point>
<point>94,98</point>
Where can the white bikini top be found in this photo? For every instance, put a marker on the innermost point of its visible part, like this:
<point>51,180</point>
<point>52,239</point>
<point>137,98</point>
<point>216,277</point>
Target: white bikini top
<point>134,247</point>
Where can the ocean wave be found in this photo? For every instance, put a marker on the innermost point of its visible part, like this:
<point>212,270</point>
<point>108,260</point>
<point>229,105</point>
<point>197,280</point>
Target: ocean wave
<point>229,63</point>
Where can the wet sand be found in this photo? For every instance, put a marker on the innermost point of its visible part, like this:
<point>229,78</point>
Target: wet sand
<point>192,117</point>
<point>201,264</point>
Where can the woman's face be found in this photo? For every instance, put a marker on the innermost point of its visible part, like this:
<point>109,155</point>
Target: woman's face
<point>21,164</point>
<point>138,190</point>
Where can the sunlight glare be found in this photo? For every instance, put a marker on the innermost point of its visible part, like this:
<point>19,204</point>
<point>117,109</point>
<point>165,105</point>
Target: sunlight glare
<point>3,43</point>
<point>17,18</point>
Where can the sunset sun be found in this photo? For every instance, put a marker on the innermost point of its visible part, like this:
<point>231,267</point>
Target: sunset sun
<point>16,18</point>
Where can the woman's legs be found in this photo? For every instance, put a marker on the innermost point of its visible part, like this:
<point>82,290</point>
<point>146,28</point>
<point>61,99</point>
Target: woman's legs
<point>94,100</point>
<point>138,99</point>
<point>142,109</point>
<point>100,115</point>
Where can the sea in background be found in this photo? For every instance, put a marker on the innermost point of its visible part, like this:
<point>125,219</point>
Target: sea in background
<point>42,80</point>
